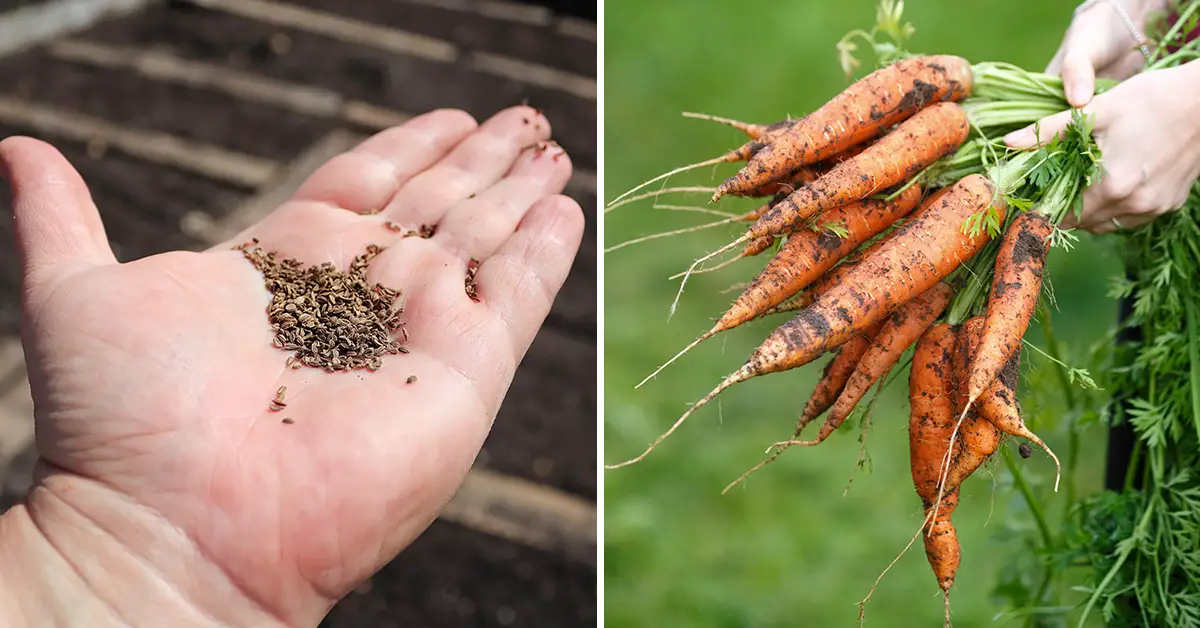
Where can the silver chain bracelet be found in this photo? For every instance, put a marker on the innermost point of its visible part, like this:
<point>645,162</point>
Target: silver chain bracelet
<point>1138,38</point>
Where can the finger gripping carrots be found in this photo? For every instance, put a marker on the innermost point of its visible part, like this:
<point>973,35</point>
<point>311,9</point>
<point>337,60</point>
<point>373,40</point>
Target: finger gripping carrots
<point>885,97</point>
<point>895,158</point>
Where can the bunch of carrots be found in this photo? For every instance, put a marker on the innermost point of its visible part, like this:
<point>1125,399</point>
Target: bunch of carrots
<point>897,219</point>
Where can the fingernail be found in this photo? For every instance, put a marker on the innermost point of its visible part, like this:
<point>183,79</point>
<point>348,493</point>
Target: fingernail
<point>1020,138</point>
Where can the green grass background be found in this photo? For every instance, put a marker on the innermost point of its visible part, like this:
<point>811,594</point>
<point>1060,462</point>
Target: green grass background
<point>787,548</point>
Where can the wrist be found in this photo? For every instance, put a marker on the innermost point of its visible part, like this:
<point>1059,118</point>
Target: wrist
<point>78,553</point>
<point>37,586</point>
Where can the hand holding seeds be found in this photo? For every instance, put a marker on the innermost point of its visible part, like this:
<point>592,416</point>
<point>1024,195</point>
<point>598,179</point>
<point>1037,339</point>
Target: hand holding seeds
<point>261,429</point>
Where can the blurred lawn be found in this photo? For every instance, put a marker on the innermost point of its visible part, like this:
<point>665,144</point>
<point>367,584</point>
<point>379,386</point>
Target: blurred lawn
<point>787,549</point>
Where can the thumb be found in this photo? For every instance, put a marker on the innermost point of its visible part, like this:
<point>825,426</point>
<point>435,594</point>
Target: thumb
<point>57,225</point>
<point>1040,132</point>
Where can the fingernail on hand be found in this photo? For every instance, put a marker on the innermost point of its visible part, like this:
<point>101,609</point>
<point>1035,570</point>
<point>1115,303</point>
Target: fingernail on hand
<point>1020,139</point>
<point>1078,92</point>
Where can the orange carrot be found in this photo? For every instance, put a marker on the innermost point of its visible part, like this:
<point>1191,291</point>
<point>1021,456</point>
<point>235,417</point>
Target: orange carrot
<point>896,335</point>
<point>931,392</point>
<point>980,437</point>
<point>922,252</point>
<point>999,405</point>
<point>895,158</point>
<point>805,175</point>
<point>833,379</point>
<point>798,178</point>
<point>931,388</point>
<point>806,256</point>
<point>1015,289</point>
<point>877,101</point>
<point>837,273</point>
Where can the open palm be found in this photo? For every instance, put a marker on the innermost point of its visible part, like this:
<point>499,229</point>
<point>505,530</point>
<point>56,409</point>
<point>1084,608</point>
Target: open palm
<point>152,379</point>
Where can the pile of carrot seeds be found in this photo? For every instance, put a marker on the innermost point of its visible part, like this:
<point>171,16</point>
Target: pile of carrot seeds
<point>895,218</point>
<point>328,318</point>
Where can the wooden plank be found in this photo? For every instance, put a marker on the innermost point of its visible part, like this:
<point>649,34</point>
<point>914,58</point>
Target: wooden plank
<point>33,24</point>
<point>516,12</point>
<point>166,67</point>
<point>531,14</point>
<point>575,27</point>
<point>336,27</point>
<point>402,42</point>
<point>535,74</point>
<point>160,66</point>
<point>526,513</point>
<point>160,148</point>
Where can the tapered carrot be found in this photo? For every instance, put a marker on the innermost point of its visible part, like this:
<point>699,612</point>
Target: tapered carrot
<point>1016,285</point>
<point>806,256</point>
<point>877,101</point>
<point>839,272</point>
<point>931,399</point>
<point>896,335</point>
<point>979,437</point>
<point>930,424</point>
<point>805,175</point>
<point>999,405</point>
<point>898,156</point>
<point>833,379</point>
<point>922,252</point>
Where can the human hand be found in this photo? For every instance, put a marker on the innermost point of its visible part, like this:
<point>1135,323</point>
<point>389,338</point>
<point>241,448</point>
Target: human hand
<point>1098,43</point>
<point>1147,132</point>
<point>164,476</point>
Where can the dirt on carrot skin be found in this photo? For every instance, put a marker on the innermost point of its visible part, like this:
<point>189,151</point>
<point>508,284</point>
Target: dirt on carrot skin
<point>885,97</point>
<point>893,160</point>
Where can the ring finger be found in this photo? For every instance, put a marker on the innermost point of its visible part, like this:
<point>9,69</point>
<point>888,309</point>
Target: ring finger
<point>476,227</point>
<point>473,166</point>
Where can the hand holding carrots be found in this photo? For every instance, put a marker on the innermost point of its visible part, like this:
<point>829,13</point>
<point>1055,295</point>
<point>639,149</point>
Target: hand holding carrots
<point>1147,130</point>
<point>1099,43</point>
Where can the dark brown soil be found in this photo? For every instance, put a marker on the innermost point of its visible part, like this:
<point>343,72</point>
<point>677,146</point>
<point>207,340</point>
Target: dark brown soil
<point>456,577</point>
<point>129,100</point>
<point>402,82</point>
<point>474,31</point>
